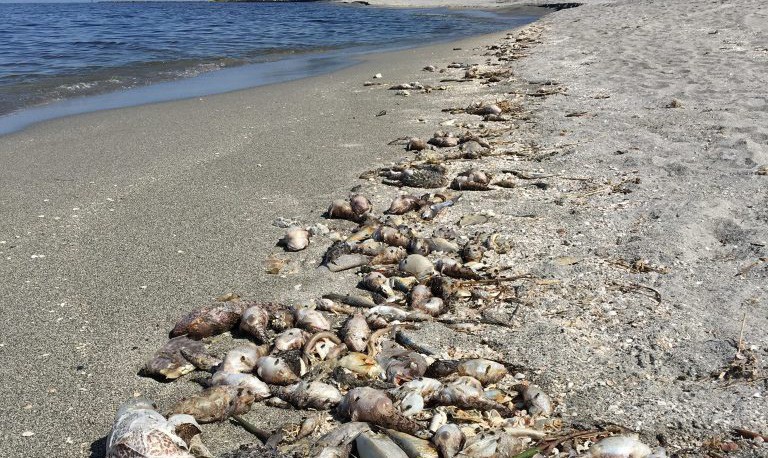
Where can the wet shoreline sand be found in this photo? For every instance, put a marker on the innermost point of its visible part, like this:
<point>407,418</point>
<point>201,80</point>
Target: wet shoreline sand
<point>162,207</point>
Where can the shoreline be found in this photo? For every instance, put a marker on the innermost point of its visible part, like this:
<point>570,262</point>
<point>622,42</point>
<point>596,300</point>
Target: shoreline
<point>644,220</point>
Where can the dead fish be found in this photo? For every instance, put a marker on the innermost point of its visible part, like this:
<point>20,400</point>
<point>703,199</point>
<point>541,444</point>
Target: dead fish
<point>481,446</point>
<point>201,360</point>
<point>216,403</point>
<point>402,284</point>
<point>321,343</point>
<point>405,365</point>
<point>418,266</point>
<point>327,305</point>
<point>472,252</point>
<point>449,440</point>
<point>373,281</point>
<point>391,236</point>
<point>536,400</point>
<point>624,446</point>
<point>453,269</point>
<point>259,389</point>
<point>390,255</point>
<point>467,393</point>
<point>374,406</point>
<point>210,320</point>
<point>415,144</point>
<point>312,320</point>
<point>254,322</point>
<point>371,445</point>
<point>310,395</point>
<point>168,363</point>
<point>444,142</point>
<point>334,452</point>
<point>484,370</point>
<point>343,435</point>
<point>410,404</point>
<point>422,300</point>
<point>275,371</point>
<point>355,300</point>
<point>295,239</point>
<point>482,110</point>
<point>140,431</point>
<point>347,261</point>
<point>356,332</point>
<point>412,446</point>
<point>441,245</point>
<point>341,209</point>
<point>432,211</point>
<point>361,364</point>
<point>426,387</point>
<point>439,419</point>
<point>360,204</point>
<point>403,204</point>
<point>290,339</point>
<point>420,176</point>
<point>243,358</point>
<point>280,317</point>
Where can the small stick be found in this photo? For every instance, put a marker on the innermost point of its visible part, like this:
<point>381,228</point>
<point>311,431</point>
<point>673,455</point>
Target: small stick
<point>749,434</point>
<point>262,434</point>
<point>740,348</point>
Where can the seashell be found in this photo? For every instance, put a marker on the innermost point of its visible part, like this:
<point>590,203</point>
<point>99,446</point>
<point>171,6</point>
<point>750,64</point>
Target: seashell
<point>391,236</point>
<point>361,364</point>
<point>216,403</point>
<point>312,320</point>
<point>412,446</point>
<point>472,252</point>
<point>295,239</point>
<point>290,339</point>
<point>141,431</point>
<point>418,266</point>
<point>310,395</point>
<point>360,205</point>
<point>449,440</point>
<point>374,406</point>
<point>624,446</point>
<point>243,358</point>
<point>254,322</point>
<point>371,445</point>
<point>404,204</point>
<point>441,245</point>
<point>415,144</point>
<point>484,370</point>
<point>537,401</point>
<point>275,371</point>
<point>341,209</point>
<point>259,389</point>
<point>209,320</point>
<point>390,255</point>
<point>356,332</point>
<point>168,362</point>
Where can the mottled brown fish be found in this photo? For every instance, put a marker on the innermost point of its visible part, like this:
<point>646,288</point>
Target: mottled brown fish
<point>210,320</point>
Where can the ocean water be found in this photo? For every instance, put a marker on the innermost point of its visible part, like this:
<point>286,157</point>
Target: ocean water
<point>51,52</point>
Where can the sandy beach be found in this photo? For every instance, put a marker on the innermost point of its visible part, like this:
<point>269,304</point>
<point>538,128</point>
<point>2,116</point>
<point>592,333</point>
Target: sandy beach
<point>640,208</point>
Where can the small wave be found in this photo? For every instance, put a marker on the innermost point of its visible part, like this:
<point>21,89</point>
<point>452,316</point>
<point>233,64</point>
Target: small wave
<point>78,86</point>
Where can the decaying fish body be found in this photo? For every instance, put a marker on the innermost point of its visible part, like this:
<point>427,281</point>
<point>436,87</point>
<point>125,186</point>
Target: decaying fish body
<point>404,204</point>
<point>467,393</point>
<point>472,180</point>
<point>624,446</point>
<point>254,322</point>
<point>371,445</point>
<point>391,236</point>
<point>290,339</point>
<point>343,435</point>
<point>420,176</point>
<point>169,363</point>
<point>449,440</point>
<point>295,239</point>
<point>210,320</point>
<point>418,266</point>
<point>389,255</point>
<point>312,320</point>
<point>216,403</point>
<point>537,401</point>
<point>356,332</point>
<point>140,431</point>
<point>414,447</point>
<point>275,371</point>
<point>259,389</point>
<point>374,406</point>
<point>361,364</point>
<point>310,395</point>
<point>481,446</point>
<point>200,359</point>
<point>484,370</point>
<point>243,358</point>
<point>355,300</point>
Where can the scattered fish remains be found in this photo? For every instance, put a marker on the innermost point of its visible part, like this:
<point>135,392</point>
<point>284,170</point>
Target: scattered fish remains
<point>350,360</point>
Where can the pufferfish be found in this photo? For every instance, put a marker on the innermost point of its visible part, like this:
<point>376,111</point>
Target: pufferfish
<point>140,431</point>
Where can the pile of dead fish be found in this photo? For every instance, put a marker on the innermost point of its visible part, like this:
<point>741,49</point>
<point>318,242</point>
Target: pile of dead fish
<point>352,357</point>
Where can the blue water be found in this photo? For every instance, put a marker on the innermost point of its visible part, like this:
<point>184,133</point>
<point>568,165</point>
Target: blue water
<point>53,52</point>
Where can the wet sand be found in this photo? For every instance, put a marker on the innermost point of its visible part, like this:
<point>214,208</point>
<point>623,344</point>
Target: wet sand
<point>650,141</point>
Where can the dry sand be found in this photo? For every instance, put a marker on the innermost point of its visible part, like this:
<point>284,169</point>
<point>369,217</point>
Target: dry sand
<point>661,119</point>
